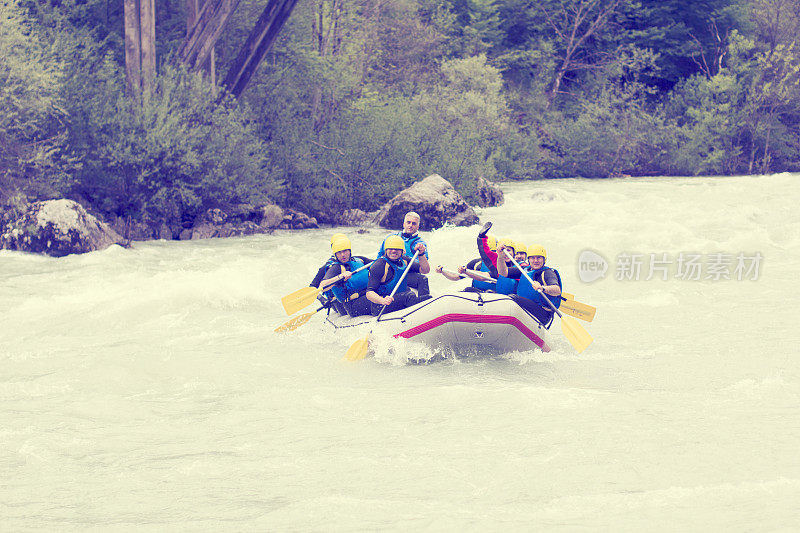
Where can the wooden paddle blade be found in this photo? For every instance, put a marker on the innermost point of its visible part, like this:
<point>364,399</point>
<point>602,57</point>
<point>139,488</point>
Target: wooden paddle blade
<point>576,335</point>
<point>358,350</point>
<point>295,323</point>
<point>578,310</point>
<point>299,299</point>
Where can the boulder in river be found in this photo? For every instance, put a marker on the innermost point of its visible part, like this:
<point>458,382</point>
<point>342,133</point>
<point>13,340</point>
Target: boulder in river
<point>271,216</point>
<point>57,228</point>
<point>216,223</point>
<point>436,201</point>
<point>293,219</point>
<point>488,193</point>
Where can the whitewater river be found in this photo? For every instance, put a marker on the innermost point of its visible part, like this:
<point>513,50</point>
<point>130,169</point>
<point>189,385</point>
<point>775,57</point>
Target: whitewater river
<point>145,389</point>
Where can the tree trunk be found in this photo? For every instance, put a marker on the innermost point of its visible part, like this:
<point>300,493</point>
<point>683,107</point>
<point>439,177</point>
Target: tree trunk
<point>148,12</point>
<point>325,41</point>
<point>259,41</point>
<point>197,47</point>
<point>765,161</point>
<point>140,45</point>
<point>133,48</point>
<point>192,15</point>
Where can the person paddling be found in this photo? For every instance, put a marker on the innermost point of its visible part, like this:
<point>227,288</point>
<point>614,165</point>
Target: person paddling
<point>544,278</point>
<point>385,272</point>
<point>326,298</point>
<point>350,290</point>
<point>410,235</point>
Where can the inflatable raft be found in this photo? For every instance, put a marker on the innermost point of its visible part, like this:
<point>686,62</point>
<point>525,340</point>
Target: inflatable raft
<point>466,322</point>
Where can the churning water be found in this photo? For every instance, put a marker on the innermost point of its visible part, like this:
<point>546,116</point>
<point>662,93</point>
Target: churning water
<point>144,389</point>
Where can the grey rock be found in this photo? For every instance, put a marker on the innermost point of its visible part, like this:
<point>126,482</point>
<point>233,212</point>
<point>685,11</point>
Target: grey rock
<point>205,230</point>
<point>488,193</point>
<point>57,228</point>
<point>297,220</point>
<point>436,201</point>
<point>212,216</point>
<point>271,216</point>
<point>164,232</point>
<point>353,217</point>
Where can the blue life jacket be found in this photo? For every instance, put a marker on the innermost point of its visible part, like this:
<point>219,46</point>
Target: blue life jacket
<point>526,290</point>
<point>506,285</point>
<point>483,285</point>
<point>356,283</point>
<point>410,243</point>
<point>397,268</point>
<point>331,261</point>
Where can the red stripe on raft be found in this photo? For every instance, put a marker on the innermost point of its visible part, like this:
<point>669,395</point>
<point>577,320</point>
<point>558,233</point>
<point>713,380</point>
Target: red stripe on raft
<point>487,319</point>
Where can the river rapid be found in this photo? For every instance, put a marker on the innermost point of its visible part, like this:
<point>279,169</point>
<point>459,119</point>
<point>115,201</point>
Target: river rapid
<point>145,389</point>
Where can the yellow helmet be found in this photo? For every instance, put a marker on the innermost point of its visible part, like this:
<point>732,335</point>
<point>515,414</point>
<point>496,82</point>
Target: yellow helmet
<point>508,243</point>
<point>342,243</point>
<point>394,242</point>
<point>520,247</point>
<point>336,236</point>
<point>537,249</point>
<point>491,240</point>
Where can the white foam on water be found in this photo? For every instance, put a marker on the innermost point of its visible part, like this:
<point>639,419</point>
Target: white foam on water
<point>146,389</point>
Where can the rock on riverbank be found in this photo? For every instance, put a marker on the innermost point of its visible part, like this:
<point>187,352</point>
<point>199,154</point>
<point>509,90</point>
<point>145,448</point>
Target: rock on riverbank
<point>57,228</point>
<point>436,201</point>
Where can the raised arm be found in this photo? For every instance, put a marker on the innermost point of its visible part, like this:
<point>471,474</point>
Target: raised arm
<point>502,268</point>
<point>449,275</point>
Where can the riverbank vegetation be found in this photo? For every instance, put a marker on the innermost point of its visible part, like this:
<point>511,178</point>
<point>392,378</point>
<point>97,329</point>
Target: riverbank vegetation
<point>357,99</point>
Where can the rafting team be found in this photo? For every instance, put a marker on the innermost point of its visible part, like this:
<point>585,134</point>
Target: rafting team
<point>356,285</point>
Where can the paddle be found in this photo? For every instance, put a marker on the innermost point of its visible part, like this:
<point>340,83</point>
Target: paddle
<point>297,321</point>
<point>358,350</point>
<point>571,306</point>
<point>574,332</point>
<point>482,275</point>
<point>302,298</point>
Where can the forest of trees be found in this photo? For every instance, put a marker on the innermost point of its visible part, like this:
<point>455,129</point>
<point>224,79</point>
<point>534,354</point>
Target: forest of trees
<point>357,99</point>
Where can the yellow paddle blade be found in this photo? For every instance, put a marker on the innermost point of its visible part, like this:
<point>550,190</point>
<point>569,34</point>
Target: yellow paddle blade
<point>576,335</point>
<point>568,296</point>
<point>299,299</point>
<point>295,323</point>
<point>578,310</point>
<point>358,350</point>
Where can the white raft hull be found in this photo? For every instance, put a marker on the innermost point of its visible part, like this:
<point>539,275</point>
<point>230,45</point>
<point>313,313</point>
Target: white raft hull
<point>463,321</point>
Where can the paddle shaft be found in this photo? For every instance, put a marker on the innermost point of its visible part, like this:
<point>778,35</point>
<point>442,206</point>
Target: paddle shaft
<point>397,285</point>
<point>341,276</point>
<point>483,275</point>
<point>524,273</point>
<point>476,272</point>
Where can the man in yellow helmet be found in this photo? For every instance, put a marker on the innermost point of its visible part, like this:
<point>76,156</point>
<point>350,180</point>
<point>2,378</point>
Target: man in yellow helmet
<point>327,298</point>
<point>521,254</point>
<point>351,290</point>
<point>385,273</point>
<point>324,268</point>
<point>546,284</point>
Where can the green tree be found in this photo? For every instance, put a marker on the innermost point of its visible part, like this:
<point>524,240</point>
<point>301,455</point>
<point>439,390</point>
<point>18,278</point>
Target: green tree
<point>744,118</point>
<point>171,156</point>
<point>33,121</point>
